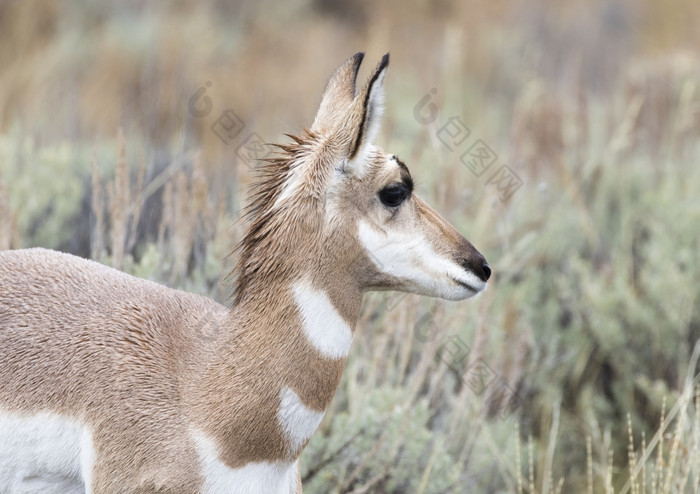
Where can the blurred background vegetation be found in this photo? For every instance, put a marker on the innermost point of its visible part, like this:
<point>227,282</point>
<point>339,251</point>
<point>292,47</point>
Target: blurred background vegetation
<point>574,372</point>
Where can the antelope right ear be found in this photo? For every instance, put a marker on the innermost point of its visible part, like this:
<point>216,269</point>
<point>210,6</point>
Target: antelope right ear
<point>338,95</point>
<point>366,112</point>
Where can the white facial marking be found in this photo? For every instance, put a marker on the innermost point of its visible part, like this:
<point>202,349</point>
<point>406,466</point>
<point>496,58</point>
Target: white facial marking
<point>325,329</point>
<point>253,478</point>
<point>42,453</point>
<point>298,421</point>
<point>410,258</point>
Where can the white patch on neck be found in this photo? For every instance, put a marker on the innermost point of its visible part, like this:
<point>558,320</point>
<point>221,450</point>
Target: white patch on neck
<point>253,478</point>
<point>298,421</point>
<point>411,259</point>
<point>325,329</point>
<point>45,452</point>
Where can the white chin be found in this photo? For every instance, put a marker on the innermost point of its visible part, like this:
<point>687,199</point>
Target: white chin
<point>461,293</point>
<point>452,292</point>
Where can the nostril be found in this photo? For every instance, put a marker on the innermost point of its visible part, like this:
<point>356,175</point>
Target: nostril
<point>486,270</point>
<point>484,273</point>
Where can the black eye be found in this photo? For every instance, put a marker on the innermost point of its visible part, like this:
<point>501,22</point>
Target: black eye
<point>393,195</point>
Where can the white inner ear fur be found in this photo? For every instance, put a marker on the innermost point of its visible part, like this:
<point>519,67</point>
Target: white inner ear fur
<point>375,110</point>
<point>372,124</point>
<point>360,164</point>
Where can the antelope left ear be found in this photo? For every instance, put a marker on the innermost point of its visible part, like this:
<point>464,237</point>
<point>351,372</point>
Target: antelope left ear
<point>367,110</point>
<point>338,95</point>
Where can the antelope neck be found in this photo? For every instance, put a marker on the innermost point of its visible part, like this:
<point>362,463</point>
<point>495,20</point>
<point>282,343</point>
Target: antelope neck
<point>301,319</point>
<point>280,363</point>
<point>306,327</point>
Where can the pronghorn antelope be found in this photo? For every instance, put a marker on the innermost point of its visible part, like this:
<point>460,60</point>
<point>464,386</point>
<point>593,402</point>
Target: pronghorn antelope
<point>114,384</point>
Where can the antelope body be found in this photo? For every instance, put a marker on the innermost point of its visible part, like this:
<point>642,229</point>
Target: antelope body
<point>114,384</point>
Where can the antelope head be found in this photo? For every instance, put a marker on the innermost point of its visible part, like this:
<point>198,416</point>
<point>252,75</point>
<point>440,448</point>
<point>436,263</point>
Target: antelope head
<point>362,215</point>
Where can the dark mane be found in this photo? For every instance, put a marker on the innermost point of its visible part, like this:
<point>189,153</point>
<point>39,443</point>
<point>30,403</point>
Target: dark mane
<point>271,176</point>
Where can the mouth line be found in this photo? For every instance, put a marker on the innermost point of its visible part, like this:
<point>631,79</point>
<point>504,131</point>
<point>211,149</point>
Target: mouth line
<point>465,285</point>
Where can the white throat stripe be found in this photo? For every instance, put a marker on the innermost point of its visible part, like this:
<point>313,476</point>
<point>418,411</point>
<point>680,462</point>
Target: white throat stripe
<point>298,421</point>
<point>325,329</point>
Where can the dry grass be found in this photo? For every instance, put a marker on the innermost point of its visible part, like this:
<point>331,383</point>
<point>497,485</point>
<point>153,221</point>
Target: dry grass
<point>592,314</point>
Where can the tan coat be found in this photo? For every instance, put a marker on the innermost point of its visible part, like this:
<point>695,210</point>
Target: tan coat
<point>129,386</point>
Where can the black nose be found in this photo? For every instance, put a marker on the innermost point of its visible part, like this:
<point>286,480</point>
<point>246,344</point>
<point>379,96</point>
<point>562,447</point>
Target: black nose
<point>478,266</point>
<point>485,271</point>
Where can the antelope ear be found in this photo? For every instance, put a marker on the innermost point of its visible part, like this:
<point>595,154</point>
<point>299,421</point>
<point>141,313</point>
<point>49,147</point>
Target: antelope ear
<point>367,111</point>
<point>338,95</point>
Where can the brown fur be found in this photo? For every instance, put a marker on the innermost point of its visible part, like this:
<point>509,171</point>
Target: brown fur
<point>141,363</point>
